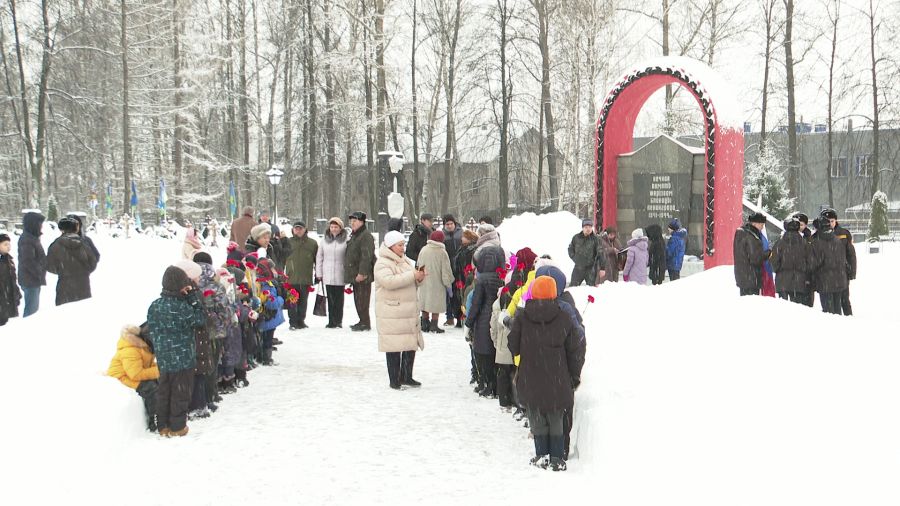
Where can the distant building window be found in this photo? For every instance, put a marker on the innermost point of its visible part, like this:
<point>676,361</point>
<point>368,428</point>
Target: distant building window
<point>864,165</point>
<point>476,186</point>
<point>839,167</point>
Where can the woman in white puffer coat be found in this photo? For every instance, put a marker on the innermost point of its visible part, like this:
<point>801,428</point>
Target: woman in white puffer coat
<point>330,270</point>
<point>397,310</point>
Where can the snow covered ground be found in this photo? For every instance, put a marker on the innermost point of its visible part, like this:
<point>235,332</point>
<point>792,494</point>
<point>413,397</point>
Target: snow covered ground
<point>690,395</point>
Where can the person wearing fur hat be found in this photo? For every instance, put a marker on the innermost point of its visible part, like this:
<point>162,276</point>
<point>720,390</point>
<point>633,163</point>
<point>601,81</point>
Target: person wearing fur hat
<point>584,250</point>
<point>9,289</point>
<point>240,228</point>
<point>489,265</point>
<point>330,270</point>
<point>675,249</point>
<point>396,310</point>
<point>749,255</point>
<point>790,262</point>
<point>551,357</point>
<point>300,270</point>
<point>461,261</point>
<point>73,261</point>
<point>359,261</point>
<point>433,291</point>
<point>260,239</point>
<point>828,264</point>
<point>608,265</point>
<point>172,320</point>
<point>453,241</point>
<point>419,236</point>
<point>32,262</point>
<point>846,238</point>
<point>638,260</point>
<point>135,367</point>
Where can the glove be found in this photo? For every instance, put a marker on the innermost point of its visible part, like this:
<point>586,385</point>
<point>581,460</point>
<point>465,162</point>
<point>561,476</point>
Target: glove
<point>625,277</point>
<point>470,338</point>
<point>253,315</point>
<point>507,321</point>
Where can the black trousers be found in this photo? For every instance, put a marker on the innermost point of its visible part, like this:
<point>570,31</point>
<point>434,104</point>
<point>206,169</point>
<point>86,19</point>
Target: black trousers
<point>400,366</point>
<point>674,275</point>
<point>297,314</point>
<point>199,397</point>
<point>173,397</point>
<point>548,432</point>
<point>831,302</point>
<point>487,372</point>
<point>749,291</point>
<point>335,294</point>
<point>504,384</point>
<point>585,274</point>
<point>798,297</point>
<point>147,390</point>
<point>362,294</point>
<point>846,308</point>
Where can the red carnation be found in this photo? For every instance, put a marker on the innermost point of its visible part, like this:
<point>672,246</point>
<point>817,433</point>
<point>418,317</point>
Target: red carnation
<point>507,265</point>
<point>288,286</point>
<point>505,289</point>
<point>310,289</point>
<point>348,290</point>
<point>590,299</point>
<point>232,246</point>
<point>208,293</point>
<point>460,285</point>
<point>519,283</point>
<point>233,263</point>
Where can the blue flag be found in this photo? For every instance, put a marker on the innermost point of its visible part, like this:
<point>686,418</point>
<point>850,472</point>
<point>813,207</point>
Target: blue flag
<point>232,200</point>
<point>163,198</point>
<point>109,199</point>
<point>134,200</point>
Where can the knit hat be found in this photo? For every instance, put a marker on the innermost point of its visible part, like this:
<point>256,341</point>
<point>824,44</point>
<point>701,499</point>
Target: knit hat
<point>202,257</point>
<point>527,257</point>
<point>544,287</point>
<point>4,238</point>
<point>675,224</point>
<point>472,237</point>
<point>556,274</point>
<point>260,230</point>
<point>174,279</point>
<point>485,228</point>
<point>449,217</point>
<point>587,222</point>
<point>756,218</point>
<point>337,221</point>
<point>637,233</point>
<point>191,269</point>
<point>437,235</point>
<point>68,225</point>
<point>393,237</point>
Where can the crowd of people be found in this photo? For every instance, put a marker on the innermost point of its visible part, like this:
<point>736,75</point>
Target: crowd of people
<point>804,261</point>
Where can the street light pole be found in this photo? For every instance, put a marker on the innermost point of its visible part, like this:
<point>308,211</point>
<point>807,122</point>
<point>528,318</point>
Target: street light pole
<point>274,174</point>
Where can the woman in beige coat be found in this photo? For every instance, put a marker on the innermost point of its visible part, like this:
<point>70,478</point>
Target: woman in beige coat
<point>396,310</point>
<point>433,291</point>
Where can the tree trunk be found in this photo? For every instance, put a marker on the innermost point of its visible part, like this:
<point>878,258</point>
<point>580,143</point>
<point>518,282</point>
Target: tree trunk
<point>126,123</point>
<point>415,118</point>
<point>831,69</point>
<point>333,174</point>
<point>544,15</point>
<point>505,98</point>
<point>768,12</point>
<point>793,157</point>
<point>449,148</point>
<point>370,130</point>
<point>34,164</point>
<point>873,162</point>
<point>670,94</point>
<point>244,108</point>
<point>314,168</point>
<point>178,140</point>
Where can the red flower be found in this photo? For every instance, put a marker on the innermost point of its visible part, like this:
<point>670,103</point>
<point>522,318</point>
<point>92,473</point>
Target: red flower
<point>460,285</point>
<point>519,283</point>
<point>208,293</point>
<point>232,246</point>
<point>287,286</point>
<point>233,263</point>
<point>521,266</point>
<point>310,289</point>
<point>590,299</point>
<point>348,290</point>
<point>467,269</point>
<point>507,265</point>
<point>505,289</point>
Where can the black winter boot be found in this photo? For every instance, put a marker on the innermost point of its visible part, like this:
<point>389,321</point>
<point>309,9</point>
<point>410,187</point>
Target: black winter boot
<point>407,359</point>
<point>426,324</point>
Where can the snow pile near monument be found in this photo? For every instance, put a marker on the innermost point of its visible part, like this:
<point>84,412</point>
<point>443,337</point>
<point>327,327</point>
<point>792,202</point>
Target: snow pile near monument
<point>544,233</point>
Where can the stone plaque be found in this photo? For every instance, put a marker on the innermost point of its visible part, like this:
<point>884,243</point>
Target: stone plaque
<point>659,197</point>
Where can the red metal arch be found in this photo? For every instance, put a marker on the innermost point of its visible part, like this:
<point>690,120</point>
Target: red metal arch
<point>724,148</point>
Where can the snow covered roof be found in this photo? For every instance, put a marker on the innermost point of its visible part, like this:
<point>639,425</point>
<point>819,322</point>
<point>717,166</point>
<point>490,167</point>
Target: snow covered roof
<point>893,206</point>
<point>691,149</point>
<point>720,92</point>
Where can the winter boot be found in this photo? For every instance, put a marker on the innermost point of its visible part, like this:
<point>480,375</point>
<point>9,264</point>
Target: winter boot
<point>557,464</point>
<point>151,423</point>
<point>164,432</point>
<point>407,360</point>
<point>199,413</point>
<point>449,323</point>
<point>435,327</point>
<point>426,324</point>
<point>541,461</point>
<point>267,357</point>
<point>179,433</point>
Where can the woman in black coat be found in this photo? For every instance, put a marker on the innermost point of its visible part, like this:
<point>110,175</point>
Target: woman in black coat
<point>487,284</point>
<point>9,289</point>
<point>657,254</point>
<point>790,261</point>
<point>70,258</point>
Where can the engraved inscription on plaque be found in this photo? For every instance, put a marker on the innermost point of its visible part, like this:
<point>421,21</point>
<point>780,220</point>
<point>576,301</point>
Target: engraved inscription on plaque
<point>660,197</point>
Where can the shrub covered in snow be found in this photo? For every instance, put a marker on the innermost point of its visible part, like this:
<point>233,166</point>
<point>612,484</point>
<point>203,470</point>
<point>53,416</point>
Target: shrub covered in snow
<point>878,222</point>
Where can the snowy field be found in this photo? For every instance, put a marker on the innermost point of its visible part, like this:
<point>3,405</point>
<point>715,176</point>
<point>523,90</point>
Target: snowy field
<point>690,395</point>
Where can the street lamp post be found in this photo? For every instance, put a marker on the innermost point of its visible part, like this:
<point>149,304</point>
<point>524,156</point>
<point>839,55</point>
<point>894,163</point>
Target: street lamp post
<point>274,174</point>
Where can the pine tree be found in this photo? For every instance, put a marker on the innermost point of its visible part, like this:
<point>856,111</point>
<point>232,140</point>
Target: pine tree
<point>878,222</point>
<point>763,178</point>
<point>52,210</point>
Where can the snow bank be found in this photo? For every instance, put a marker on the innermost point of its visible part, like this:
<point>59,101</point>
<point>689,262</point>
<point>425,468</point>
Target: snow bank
<point>544,234</point>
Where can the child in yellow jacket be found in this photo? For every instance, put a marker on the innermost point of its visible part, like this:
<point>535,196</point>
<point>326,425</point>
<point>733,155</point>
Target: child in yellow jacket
<point>135,367</point>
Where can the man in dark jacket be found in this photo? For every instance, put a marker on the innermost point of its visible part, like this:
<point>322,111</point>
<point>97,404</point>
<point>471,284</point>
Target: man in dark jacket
<point>79,218</point>
<point>584,250</point>
<point>300,269</point>
<point>419,236</point>
<point>657,259</point>
<point>846,239</point>
<point>749,255</point>
<point>675,249</point>
<point>452,242</point>
<point>359,261</point>
<point>32,262</point>
<point>9,290</point>
<point>790,261</point>
<point>70,258</point>
<point>551,359</point>
<point>829,267</point>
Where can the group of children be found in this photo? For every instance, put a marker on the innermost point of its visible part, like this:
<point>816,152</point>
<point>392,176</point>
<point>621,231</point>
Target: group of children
<point>208,328</point>
<point>528,343</point>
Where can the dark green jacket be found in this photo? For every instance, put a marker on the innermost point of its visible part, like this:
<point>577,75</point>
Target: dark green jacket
<point>584,251</point>
<point>301,264</point>
<point>172,321</point>
<point>360,256</point>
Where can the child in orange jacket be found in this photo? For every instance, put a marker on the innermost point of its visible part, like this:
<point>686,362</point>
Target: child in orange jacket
<point>135,366</point>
